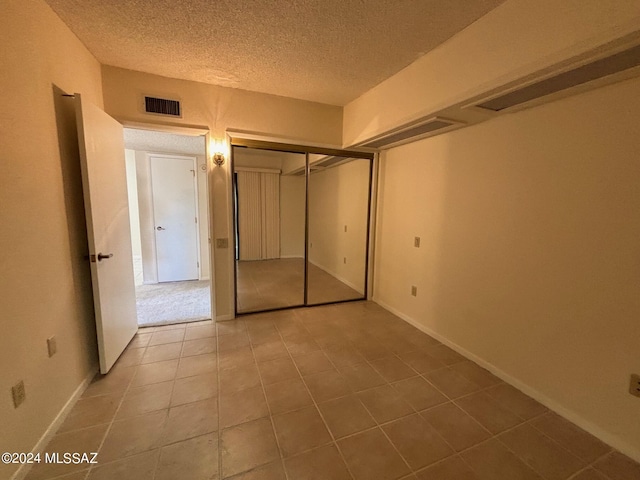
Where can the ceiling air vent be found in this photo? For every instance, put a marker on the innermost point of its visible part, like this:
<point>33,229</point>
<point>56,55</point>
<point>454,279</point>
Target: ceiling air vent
<point>412,132</point>
<point>162,106</point>
<point>603,67</point>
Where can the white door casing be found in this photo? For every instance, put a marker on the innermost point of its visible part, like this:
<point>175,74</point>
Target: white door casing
<point>104,182</point>
<point>175,211</point>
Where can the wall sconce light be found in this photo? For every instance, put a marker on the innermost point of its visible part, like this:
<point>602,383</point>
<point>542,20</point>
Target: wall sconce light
<point>218,158</point>
<point>219,149</point>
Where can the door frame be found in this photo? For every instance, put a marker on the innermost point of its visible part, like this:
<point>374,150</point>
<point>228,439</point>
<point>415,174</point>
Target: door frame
<point>196,193</point>
<point>192,130</point>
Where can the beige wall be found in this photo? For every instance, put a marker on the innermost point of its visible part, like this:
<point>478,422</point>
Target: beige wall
<point>530,255</point>
<point>339,197</point>
<point>45,284</point>
<point>220,108</point>
<point>516,39</point>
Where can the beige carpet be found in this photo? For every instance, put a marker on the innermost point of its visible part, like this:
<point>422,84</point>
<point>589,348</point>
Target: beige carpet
<point>173,302</point>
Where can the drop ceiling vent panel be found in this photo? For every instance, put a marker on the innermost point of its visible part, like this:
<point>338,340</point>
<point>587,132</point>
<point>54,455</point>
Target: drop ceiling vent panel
<point>162,106</point>
<point>407,134</point>
<point>597,69</point>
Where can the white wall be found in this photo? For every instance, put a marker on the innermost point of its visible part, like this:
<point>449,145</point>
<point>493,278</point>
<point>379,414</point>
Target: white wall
<point>530,257</point>
<point>45,285</point>
<point>339,197</point>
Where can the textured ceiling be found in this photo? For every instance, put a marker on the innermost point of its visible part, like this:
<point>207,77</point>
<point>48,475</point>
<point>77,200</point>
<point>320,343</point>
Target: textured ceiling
<point>148,140</point>
<point>328,51</point>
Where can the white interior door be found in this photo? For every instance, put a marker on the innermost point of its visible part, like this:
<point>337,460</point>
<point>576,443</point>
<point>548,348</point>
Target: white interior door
<point>175,216</point>
<point>104,181</point>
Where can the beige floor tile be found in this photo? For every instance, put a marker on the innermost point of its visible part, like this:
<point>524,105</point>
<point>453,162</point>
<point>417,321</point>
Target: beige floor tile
<point>516,401</point>
<point>130,357</point>
<point>617,466</point>
<point>393,369</point>
<point>133,435</point>
<point>421,361</point>
<point>192,389</point>
<point>243,406</point>
<point>320,464</point>
<point>190,420</point>
<point>193,459</point>
<point>271,471</point>
<point>545,456</point>
<point>444,354</point>
<point>385,404</point>
<point>456,427</point>
<point>264,335</point>
<point>278,370</point>
<point>345,416</point>
<point>230,327</point>
<point>83,441</point>
<point>136,467</point>
<point>116,381</point>
<point>451,383</point>
<point>488,412</point>
<point>199,346</point>
<point>159,353</point>
<point>286,396</point>
<point>239,378</point>
<point>476,374</point>
<point>140,340</point>
<point>311,363</point>
<point>145,399</point>
<point>361,376</point>
<point>233,341</point>
<point>300,430</point>
<point>155,373</point>
<point>373,350</point>
<point>272,350</point>
<point>419,393</point>
<point>344,356</point>
<point>451,468</point>
<point>327,385</point>
<point>492,461</point>
<point>417,441</point>
<point>201,331</point>
<point>370,456</point>
<point>301,345</point>
<point>574,439</point>
<point>91,411</point>
<point>589,474</point>
<point>166,336</point>
<point>247,446</point>
<point>197,365</point>
<point>236,358</point>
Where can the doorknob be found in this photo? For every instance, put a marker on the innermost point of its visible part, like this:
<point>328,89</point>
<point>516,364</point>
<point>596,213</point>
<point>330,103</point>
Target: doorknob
<point>160,228</point>
<point>102,256</point>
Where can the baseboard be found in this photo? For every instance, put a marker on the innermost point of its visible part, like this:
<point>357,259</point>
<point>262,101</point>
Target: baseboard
<point>551,404</point>
<point>46,437</point>
<point>222,318</point>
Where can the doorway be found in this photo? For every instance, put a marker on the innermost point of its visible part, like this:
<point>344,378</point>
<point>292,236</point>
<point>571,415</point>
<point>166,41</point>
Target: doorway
<point>168,198</point>
<point>302,221</point>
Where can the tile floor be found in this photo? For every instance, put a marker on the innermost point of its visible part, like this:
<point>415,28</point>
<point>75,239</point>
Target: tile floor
<point>337,392</point>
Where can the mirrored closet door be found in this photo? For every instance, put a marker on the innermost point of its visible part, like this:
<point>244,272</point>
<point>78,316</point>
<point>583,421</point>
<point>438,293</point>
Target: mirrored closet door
<point>301,226</point>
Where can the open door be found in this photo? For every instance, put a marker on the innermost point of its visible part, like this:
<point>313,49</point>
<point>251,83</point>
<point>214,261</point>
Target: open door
<point>104,183</point>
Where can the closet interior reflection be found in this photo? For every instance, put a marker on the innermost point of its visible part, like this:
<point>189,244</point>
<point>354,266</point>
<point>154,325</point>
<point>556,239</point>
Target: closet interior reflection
<point>301,226</point>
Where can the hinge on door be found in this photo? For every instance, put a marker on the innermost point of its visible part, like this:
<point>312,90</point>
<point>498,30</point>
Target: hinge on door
<point>198,264</point>
<point>196,219</point>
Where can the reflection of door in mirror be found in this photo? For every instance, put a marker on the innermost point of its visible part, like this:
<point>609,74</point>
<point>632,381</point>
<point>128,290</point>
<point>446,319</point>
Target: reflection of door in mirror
<point>338,223</point>
<point>270,220</point>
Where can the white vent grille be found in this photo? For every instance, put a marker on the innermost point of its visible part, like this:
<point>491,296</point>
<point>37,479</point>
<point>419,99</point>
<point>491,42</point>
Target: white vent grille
<point>162,106</point>
<point>597,69</point>
<point>412,132</point>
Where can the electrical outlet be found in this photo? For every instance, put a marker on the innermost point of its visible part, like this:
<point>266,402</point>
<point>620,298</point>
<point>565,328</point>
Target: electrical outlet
<point>52,346</point>
<point>414,290</point>
<point>634,385</point>
<point>222,243</point>
<point>18,393</point>
<point>416,242</point>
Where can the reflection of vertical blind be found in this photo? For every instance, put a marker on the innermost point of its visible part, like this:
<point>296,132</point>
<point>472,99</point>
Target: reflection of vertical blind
<point>258,215</point>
